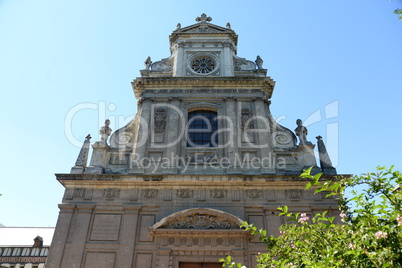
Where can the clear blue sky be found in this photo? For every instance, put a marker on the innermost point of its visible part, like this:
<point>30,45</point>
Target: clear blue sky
<point>337,65</point>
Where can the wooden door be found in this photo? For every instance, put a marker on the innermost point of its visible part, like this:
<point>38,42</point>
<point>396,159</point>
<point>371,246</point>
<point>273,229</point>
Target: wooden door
<point>199,265</point>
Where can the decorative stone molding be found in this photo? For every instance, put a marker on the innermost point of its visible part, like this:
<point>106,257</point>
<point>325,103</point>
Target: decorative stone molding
<point>204,90</point>
<point>241,64</point>
<point>199,218</point>
<point>164,65</point>
<point>230,99</point>
<point>216,83</point>
<point>185,193</point>
<point>246,119</point>
<point>175,98</point>
<point>199,221</point>
<point>79,193</point>
<point>218,193</point>
<point>144,99</point>
<point>150,193</point>
<point>254,193</point>
<point>159,120</point>
<point>111,193</point>
<point>294,193</point>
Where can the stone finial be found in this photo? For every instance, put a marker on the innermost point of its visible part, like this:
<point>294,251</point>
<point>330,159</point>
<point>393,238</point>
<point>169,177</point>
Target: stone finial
<point>203,18</point>
<point>228,25</point>
<point>105,131</point>
<point>82,158</point>
<point>178,27</point>
<point>301,132</point>
<point>259,62</point>
<point>148,63</point>
<point>325,161</point>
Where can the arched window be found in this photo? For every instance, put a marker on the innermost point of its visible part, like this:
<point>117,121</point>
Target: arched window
<point>202,129</point>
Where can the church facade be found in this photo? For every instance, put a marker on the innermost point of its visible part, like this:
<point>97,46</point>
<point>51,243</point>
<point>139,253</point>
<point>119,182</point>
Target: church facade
<point>202,155</point>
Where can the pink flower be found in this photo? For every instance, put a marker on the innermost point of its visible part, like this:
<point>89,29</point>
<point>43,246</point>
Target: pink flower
<point>352,246</point>
<point>292,245</point>
<point>303,218</point>
<point>342,215</point>
<point>282,232</point>
<point>381,234</point>
<point>399,220</point>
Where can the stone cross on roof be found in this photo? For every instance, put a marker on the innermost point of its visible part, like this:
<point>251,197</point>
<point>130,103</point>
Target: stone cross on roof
<point>203,18</point>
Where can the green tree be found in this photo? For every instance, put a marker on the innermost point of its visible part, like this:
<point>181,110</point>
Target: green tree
<point>398,12</point>
<point>370,236</point>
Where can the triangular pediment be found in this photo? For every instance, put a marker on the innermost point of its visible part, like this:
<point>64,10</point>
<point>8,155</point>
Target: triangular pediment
<point>203,28</point>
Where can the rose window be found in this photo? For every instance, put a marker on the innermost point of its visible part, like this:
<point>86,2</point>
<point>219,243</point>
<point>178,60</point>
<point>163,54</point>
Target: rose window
<point>203,65</point>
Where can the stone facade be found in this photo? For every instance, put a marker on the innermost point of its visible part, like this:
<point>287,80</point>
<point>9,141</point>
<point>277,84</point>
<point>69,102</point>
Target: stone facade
<point>202,155</point>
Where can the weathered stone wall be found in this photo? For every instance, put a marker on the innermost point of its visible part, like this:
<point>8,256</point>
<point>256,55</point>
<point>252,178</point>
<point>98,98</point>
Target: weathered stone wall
<point>130,221</point>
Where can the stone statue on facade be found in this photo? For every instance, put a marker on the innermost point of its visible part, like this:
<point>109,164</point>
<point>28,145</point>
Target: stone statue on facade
<point>148,63</point>
<point>259,62</point>
<point>178,27</point>
<point>301,132</point>
<point>105,131</point>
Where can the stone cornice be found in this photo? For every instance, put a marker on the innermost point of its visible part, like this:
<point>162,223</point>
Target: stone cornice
<point>266,84</point>
<point>124,180</point>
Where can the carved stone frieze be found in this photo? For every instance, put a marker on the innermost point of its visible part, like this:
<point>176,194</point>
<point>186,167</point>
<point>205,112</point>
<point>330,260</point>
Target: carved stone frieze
<point>79,193</point>
<point>294,193</point>
<point>254,193</point>
<point>202,90</point>
<point>171,240</point>
<point>200,221</point>
<point>111,193</point>
<point>190,84</point>
<point>150,193</point>
<point>232,240</point>
<point>185,193</point>
<point>218,193</point>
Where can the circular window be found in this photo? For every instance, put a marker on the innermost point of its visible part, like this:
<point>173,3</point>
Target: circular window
<point>203,65</point>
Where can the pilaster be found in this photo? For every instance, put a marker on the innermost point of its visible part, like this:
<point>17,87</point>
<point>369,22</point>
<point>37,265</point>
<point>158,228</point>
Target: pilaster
<point>128,233</point>
<point>264,136</point>
<point>174,134</point>
<point>60,236</point>
<point>232,137</point>
<point>75,252</point>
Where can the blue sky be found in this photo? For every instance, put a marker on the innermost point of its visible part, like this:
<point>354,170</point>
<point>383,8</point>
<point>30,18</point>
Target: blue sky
<point>66,66</point>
